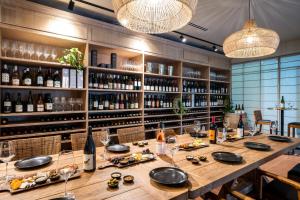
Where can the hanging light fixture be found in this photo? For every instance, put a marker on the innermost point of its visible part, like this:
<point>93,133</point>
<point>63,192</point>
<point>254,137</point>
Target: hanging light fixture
<point>154,16</point>
<point>251,41</point>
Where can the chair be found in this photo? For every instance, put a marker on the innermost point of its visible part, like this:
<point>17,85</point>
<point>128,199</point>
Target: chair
<point>170,132</point>
<point>188,129</point>
<point>293,125</point>
<point>260,121</point>
<point>126,135</point>
<point>37,146</point>
<point>78,139</point>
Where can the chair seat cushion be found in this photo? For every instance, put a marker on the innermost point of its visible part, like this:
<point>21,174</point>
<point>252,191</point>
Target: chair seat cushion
<point>294,173</point>
<point>294,123</point>
<point>276,190</point>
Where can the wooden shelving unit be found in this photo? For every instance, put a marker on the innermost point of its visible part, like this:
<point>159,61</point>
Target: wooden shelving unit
<point>182,72</point>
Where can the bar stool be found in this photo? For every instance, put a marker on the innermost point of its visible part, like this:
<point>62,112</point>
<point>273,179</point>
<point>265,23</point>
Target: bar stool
<point>259,120</point>
<point>293,125</point>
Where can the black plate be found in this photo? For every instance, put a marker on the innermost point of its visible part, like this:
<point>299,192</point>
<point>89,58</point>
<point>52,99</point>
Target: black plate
<point>33,162</point>
<point>257,146</point>
<point>198,135</point>
<point>229,157</point>
<point>279,138</point>
<point>168,176</point>
<point>63,198</point>
<point>118,148</point>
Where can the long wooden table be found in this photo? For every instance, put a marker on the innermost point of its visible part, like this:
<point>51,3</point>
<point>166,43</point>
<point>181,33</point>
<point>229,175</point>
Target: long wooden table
<point>202,178</point>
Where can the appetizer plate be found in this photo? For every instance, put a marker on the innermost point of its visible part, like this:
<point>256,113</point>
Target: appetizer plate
<point>33,162</point>
<point>117,148</point>
<point>257,146</point>
<point>227,157</point>
<point>279,138</point>
<point>169,176</point>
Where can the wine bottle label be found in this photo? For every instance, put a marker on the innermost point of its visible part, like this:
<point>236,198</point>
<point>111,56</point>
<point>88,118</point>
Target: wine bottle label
<point>100,106</point>
<point>105,86</point>
<point>239,132</point>
<point>7,103</point>
<point>136,105</point>
<point>57,84</point>
<point>40,80</point>
<point>211,134</point>
<point>161,148</point>
<point>29,108</point>
<point>117,106</point>
<point>16,82</point>
<point>88,162</point>
<point>139,83</point>
<point>95,85</point>
<point>90,85</point>
<point>101,86</point>
<point>27,81</point>
<point>40,108</point>
<point>49,83</point>
<point>5,77</point>
<point>48,106</point>
<point>96,104</point>
<point>19,108</point>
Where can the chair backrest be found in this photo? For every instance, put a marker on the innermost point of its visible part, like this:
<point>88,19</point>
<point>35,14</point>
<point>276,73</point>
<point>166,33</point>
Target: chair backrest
<point>188,129</point>
<point>131,134</point>
<point>37,146</point>
<point>257,115</point>
<point>78,139</point>
<point>170,132</point>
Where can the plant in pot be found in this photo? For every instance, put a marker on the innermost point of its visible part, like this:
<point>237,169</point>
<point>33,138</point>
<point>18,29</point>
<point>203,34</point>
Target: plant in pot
<point>73,57</point>
<point>178,107</point>
<point>228,108</point>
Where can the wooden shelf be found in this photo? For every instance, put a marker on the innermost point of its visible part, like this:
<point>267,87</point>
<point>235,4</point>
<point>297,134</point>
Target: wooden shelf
<point>194,93</point>
<point>194,79</point>
<point>164,115</point>
<point>195,113</point>
<point>159,92</point>
<point>41,134</point>
<point>115,70</point>
<point>218,81</point>
<point>197,118</point>
<point>162,76</point>
<point>197,107</point>
<point>113,118</point>
<point>40,113</point>
<point>217,106</point>
<point>118,126</point>
<point>40,123</point>
<point>216,111</point>
<point>155,109</point>
<point>112,90</point>
<point>114,111</point>
<point>40,88</point>
<point>218,94</point>
<point>173,127</point>
<point>168,121</point>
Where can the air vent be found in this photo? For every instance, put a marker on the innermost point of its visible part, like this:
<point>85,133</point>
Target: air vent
<point>197,26</point>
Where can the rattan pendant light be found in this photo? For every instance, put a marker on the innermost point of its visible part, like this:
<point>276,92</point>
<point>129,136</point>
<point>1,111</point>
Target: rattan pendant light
<point>251,41</point>
<point>154,16</point>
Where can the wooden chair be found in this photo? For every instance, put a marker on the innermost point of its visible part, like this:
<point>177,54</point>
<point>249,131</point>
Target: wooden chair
<point>37,146</point>
<point>293,125</point>
<point>188,129</point>
<point>126,135</point>
<point>78,139</point>
<point>260,121</point>
<point>170,132</point>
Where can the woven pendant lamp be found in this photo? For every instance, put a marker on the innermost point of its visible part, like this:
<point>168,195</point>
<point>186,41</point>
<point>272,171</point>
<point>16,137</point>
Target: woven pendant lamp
<point>251,41</point>
<point>154,16</point>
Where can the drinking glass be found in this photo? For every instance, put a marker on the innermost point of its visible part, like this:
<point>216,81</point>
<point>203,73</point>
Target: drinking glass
<point>63,102</point>
<point>173,149</point>
<point>22,48</point>
<point>197,126</point>
<point>5,46</point>
<point>56,104</point>
<point>274,127</point>
<point>7,152</point>
<point>65,167</point>
<point>71,102</point>
<point>14,48</point>
<point>39,51</point>
<point>30,50</point>
<point>226,123</point>
<point>105,139</point>
<point>53,54</point>
<point>79,103</point>
<point>46,53</point>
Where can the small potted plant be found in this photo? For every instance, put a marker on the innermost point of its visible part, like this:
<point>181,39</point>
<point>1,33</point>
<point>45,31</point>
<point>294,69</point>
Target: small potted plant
<point>178,107</point>
<point>73,57</point>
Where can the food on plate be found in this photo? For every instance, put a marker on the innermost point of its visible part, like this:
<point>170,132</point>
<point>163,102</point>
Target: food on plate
<point>41,179</point>
<point>15,184</point>
<point>113,183</point>
<point>128,179</point>
<point>116,175</point>
<point>189,157</point>
<point>202,158</point>
<point>195,161</point>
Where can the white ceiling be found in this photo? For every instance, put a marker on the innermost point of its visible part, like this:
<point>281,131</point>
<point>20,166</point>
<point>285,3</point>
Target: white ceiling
<point>223,17</point>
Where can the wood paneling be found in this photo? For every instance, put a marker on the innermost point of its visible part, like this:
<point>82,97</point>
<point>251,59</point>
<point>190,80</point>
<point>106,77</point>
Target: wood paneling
<point>195,57</point>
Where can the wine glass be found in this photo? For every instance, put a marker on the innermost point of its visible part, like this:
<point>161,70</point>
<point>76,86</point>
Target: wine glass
<point>63,102</point>
<point>7,152</point>
<point>22,48</point>
<point>14,48</point>
<point>46,53</point>
<point>5,46</point>
<point>66,168</point>
<point>30,50</point>
<point>274,127</point>
<point>53,54</point>
<point>197,126</point>
<point>39,51</point>
<point>79,102</point>
<point>105,139</point>
<point>226,123</point>
<point>71,102</point>
<point>173,149</point>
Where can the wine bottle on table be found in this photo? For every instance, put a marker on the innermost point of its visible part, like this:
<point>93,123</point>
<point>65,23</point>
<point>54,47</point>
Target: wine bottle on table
<point>240,128</point>
<point>89,153</point>
<point>213,131</point>
<point>282,102</point>
<point>160,140</point>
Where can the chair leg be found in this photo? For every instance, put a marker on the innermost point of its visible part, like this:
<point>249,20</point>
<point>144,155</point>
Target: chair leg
<point>294,132</point>
<point>260,127</point>
<point>289,131</point>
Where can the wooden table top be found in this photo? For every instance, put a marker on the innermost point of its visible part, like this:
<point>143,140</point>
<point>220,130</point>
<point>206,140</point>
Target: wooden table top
<point>202,178</point>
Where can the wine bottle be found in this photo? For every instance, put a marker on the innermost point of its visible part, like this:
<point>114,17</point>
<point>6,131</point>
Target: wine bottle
<point>49,80</point>
<point>7,105</point>
<point>40,104</point>
<point>240,127</point>
<point>29,106</point>
<point>282,102</point>
<point>15,79</point>
<point>213,131</point>
<point>5,76</point>
<point>27,81</point>
<point>40,77</point>
<point>48,103</point>
<point>56,80</point>
<point>89,153</point>
<point>19,105</point>
<point>160,140</point>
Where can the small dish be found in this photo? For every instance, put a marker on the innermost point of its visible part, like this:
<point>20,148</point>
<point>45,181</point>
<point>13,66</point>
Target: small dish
<point>189,157</point>
<point>124,162</point>
<point>134,143</point>
<point>145,142</point>
<point>203,158</point>
<point>41,180</point>
<point>141,144</point>
<point>195,161</point>
<point>116,175</point>
<point>128,179</point>
<point>131,160</point>
<point>113,183</point>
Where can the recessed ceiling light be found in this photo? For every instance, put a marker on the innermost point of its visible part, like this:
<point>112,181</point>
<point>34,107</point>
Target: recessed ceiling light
<point>182,38</point>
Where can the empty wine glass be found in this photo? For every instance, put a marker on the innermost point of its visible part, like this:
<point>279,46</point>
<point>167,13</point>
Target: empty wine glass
<point>173,149</point>
<point>63,102</point>
<point>46,53</point>
<point>7,152</point>
<point>56,104</point>
<point>53,54</point>
<point>79,102</point>
<point>22,48</point>
<point>5,46</point>
<point>197,126</point>
<point>226,123</point>
<point>66,168</point>
<point>105,139</point>
<point>14,48</point>
<point>30,50</point>
<point>71,102</point>
<point>39,51</point>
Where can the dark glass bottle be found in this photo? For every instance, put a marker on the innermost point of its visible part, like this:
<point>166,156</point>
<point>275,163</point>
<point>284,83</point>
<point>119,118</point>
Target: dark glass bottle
<point>56,79</point>
<point>7,105</point>
<point>29,105</point>
<point>48,103</point>
<point>5,76</point>
<point>19,105</point>
<point>40,77</point>
<point>40,104</point>
<point>89,153</point>
<point>49,79</point>
<point>240,127</point>
<point>27,81</point>
<point>15,79</point>
<point>213,131</point>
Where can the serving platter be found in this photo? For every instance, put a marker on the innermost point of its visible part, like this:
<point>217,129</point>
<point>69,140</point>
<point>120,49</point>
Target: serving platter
<point>33,162</point>
<point>279,138</point>
<point>197,144</point>
<point>169,176</point>
<point>118,148</point>
<point>257,146</point>
<point>227,157</point>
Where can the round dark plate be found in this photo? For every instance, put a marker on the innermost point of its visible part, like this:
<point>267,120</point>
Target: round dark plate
<point>117,148</point>
<point>63,198</point>
<point>168,176</point>
<point>198,135</point>
<point>33,162</point>
<point>257,146</point>
<point>279,138</point>
<point>229,157</point>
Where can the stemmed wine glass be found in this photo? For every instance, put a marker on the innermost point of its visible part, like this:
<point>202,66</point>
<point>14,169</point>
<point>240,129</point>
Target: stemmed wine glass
<point>39,51</point>
<point>14,48</point>
<point>7,152</point>
<point>105,139</point>
<point>72,102</point>
<point>274,127</point>
<point>79,102</point>
<point>46,53</point>
<point>53,54</point>
<point>30,50</point>
<point>173,149</point>
<point>22,48</point>
<point>5,46</point>
<point>197,126</point>
<point>65,167</point>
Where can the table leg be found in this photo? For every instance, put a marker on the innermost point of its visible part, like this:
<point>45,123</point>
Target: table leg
<point>282,122</point>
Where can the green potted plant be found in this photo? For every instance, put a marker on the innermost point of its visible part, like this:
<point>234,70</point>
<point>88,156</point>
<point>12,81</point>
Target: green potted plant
<point>178,107</point>
<point>228,108</point>
<point>73,57</point>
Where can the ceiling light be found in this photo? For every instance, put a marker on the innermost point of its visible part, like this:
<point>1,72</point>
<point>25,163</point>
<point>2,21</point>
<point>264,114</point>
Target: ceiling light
<point>182,38</point>
<point>154,16</point>
<point>71,5</point>
<point>251,41</point>
<point>215,48</point>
